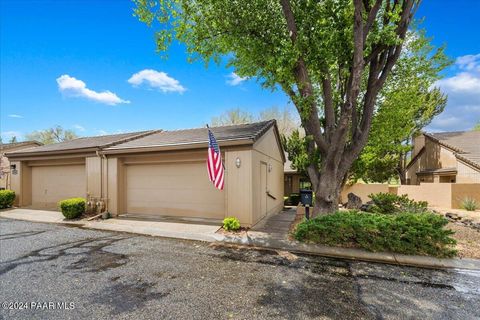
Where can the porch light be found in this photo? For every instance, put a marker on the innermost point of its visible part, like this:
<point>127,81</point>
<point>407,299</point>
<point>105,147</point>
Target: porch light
<point>269,167</point>
<point>238,162</point>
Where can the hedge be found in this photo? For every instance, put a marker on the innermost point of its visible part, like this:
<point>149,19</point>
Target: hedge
<point>406,233</point>
<point>7,197</point>
<point>72,208</point>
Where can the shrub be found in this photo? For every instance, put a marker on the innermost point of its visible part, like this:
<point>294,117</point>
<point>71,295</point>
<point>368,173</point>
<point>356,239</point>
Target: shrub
<point>388,203</point>
<point>469,204</point>
<point>406,233</point>
<point>7,197</point>
<point>231,224</point>
<point>72,208</point>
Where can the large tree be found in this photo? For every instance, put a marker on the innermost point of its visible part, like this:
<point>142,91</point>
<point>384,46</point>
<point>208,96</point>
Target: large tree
<point>408,102</point>
<point>331,57</point>
<point>51,135</point>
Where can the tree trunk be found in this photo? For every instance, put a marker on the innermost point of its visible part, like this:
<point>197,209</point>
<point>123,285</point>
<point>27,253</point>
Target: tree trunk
<point>326,199</point>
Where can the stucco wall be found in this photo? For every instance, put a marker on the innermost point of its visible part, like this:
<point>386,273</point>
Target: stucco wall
<point>436,194</point>
<point>462,191</point>
<point>363,190</point>
<point>266,150</point>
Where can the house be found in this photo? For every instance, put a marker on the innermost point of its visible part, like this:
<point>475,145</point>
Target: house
<point>447,157</point>
<point>154,174</point>
<point>5,170</point>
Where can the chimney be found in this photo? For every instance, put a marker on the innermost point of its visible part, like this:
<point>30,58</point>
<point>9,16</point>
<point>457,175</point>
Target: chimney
<point>418,144</point>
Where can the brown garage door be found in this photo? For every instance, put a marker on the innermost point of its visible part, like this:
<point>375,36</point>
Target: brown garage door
<point>173,189</point>
<point>51,184</point>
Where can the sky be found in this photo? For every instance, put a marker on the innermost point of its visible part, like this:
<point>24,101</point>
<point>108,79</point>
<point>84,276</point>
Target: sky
<point>92,67</point>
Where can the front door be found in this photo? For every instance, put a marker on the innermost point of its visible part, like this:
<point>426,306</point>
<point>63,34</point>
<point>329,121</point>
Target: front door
<point>263,189</point>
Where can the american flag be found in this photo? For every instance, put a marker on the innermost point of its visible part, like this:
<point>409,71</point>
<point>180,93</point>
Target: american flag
<point>214,162</point>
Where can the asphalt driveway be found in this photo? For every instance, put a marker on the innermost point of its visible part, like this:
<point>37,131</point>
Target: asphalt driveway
<point>59,272</point>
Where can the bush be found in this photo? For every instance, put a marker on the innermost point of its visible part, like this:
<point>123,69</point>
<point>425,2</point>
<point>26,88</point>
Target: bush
<point>72,208</point>
<point>388,203</point>
<point>406,233</point>
<point>231,224</point>
<point>7,197</point>
<point>469,204</point>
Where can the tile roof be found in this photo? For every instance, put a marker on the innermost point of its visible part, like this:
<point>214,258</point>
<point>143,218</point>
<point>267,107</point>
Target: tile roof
<point>466,144</point>
<point>83,143</point>
<point>199,135</point>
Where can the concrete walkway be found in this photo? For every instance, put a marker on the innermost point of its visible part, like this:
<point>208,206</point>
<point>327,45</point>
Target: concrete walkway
<point>272,234</point>
<point>188,231</point>
<point>278,225</point>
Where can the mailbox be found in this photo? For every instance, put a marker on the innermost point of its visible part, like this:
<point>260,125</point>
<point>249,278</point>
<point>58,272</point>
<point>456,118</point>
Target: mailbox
<point>306,197</point>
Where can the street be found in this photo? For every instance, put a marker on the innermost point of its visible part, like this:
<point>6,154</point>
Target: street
<point>106,275</point>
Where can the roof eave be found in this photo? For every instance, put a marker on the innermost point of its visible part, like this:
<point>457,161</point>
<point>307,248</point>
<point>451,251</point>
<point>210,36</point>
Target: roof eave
<point>176,146</point>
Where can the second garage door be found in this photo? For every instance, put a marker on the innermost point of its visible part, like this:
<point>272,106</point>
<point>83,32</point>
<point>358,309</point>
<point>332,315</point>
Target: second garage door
<point>51,184</point>
<point>173,189</point>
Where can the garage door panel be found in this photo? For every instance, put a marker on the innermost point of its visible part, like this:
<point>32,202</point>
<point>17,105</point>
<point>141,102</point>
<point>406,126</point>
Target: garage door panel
<point>51,184</point>
<point>181,189</point>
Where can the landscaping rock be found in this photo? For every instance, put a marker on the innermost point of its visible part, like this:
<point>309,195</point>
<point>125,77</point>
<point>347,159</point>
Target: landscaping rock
<point>367,206</point>
<point>453,216</point>
<point>354,201</point>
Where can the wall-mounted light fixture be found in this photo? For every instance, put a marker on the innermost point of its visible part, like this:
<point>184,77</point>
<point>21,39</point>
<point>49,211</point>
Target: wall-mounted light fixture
<point>269,167</point>
<point>238,162</point>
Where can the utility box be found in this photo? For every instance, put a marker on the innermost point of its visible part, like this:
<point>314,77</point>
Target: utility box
<point>306,197</point>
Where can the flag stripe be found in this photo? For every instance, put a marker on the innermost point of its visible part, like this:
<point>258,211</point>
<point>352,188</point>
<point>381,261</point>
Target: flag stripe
<point>214,163</point>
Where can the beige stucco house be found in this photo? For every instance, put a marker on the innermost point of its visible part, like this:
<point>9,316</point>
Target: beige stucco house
<point>5,170</point>
<point>159,173</point>
<point>447,157</point>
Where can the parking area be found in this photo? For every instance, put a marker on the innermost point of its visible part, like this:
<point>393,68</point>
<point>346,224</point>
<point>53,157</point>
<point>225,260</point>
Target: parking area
<point>125,276</point>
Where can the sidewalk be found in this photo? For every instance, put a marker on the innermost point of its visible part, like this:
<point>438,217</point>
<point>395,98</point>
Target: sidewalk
<point>272,235</point>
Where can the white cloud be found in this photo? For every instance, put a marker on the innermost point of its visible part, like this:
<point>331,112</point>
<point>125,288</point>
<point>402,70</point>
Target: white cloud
<point>79,127</point>
<point>462,82</point>
<point>156,80</point>
<point>469,62</point>
<point>234,79</point>
<point>463,89</point>
<point>15,116</point>
<point>73,87</point>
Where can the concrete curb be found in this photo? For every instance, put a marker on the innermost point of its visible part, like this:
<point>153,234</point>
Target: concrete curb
<point>353,254</point>
<point>262,240</point>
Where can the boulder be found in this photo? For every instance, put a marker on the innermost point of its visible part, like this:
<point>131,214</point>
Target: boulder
<point>367,206</point>
<point>354,201</point>
<point>453,216</point>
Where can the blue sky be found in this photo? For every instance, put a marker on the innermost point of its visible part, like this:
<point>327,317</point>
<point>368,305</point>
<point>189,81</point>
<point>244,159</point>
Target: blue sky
<point>92,67</point>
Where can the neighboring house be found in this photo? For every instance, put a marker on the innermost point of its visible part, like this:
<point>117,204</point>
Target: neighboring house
<point>159,173</point>
<point>447,157</point>
<point>293,180</point>
<point>5,163</point>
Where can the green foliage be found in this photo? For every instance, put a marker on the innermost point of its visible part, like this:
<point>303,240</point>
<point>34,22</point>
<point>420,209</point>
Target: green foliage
<point>388,203</point>
<point>231,224</point>
<point>7,197</point>
<point>407,103</point>
<point>52,135</point>
<point>477,126</point>
<point>72,208</point>
<point>469,204</point>
<point>406,233</point>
